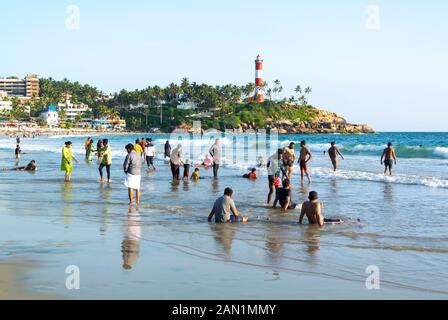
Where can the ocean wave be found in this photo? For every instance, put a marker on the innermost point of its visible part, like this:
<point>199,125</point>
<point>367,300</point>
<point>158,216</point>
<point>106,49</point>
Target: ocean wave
<point>441,152</point>
<point>432,182</point>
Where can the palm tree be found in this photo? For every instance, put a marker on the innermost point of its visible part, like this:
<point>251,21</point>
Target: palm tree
<point>308,91</point>
<point>298,90</point>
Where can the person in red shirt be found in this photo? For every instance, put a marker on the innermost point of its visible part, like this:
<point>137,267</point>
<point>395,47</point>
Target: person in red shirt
<point>252,175</point>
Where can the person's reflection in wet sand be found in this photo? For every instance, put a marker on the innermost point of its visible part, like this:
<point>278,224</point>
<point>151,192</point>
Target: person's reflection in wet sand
<point>186,186</point>
<point>389,193</point>
<point>130,247</point>
<point>106,195</point>
<point>311,234</point>
<point>274,243</point>
<point>334,186</point>
<point>175,185</point>
<point>224,234</point>
<point>67,210</point>
<point>215,186</point>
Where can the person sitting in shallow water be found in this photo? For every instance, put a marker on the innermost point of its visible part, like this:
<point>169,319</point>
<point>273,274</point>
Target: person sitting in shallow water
<point>313,211</point>
<point>30,167</point>
<point>283,196</point>
<point>225,210</point>
<point>252,175</point>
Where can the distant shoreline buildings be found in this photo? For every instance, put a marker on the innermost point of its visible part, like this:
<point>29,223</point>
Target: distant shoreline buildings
<point>21,88</point>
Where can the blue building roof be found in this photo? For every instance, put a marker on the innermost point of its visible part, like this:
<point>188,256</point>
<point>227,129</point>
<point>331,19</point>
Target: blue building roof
<point>52,108</point>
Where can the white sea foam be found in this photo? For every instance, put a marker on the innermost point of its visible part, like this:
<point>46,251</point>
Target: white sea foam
<point>432,182</point>
<point>441,152</point>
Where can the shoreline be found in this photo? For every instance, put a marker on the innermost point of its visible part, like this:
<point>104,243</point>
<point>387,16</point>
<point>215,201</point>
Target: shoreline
<point>84,132</point>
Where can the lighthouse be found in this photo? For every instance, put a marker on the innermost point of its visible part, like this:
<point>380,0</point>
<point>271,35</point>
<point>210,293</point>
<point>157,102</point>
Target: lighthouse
<point>259,88</point>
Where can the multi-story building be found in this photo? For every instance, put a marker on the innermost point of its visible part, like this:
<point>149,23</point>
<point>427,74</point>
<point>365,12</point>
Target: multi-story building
<point>5,104</point>
<point>72,110</point>
<point>22,88</point>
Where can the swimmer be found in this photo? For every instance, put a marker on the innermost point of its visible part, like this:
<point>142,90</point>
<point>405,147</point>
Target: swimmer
<point>31,167</point>
<point>252,175</point>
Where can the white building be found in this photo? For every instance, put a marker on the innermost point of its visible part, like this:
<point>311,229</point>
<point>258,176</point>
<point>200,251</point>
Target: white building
<point>73,110</point>
<point>5,105</point>
<point>187,105</point>
<point>51,116</point>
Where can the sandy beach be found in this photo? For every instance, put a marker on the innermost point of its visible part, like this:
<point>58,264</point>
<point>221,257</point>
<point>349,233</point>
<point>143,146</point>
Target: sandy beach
<point>165,248</point>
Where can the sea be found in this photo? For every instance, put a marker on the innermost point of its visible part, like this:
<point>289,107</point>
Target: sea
<point>393,244</point>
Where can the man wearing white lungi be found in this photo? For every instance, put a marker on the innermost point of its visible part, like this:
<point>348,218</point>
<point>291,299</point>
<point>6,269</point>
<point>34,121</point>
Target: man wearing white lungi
<point>132,168</point>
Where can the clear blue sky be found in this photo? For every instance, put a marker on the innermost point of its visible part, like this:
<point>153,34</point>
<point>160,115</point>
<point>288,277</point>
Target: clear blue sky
<point>394,79</point>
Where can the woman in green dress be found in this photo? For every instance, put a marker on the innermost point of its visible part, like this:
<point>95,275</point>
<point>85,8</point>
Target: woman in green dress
<point>67,160</point>
<point>90,151</point>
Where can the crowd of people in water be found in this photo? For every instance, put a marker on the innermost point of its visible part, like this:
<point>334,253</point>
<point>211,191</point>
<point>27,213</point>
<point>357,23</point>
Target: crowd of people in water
<point>279,166</point>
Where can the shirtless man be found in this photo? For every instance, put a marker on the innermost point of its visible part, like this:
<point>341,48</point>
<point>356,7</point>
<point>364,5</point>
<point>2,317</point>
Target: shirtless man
<point>305,156</point>
<point>289,157</point>
<point>333,152</point>
<point>389,158</point>
<point>313,211</point>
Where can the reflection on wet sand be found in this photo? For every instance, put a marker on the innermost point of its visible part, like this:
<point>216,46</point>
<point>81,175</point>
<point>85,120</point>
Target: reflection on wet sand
<point>274,243</point>
<point>215,185</point>
<point>389,192</point>
<point>130,246</point>
<point>67,211</point>
<point>224,234</point>
<point>312,235</point>
<point>175,185</point>
<point>106,193</point>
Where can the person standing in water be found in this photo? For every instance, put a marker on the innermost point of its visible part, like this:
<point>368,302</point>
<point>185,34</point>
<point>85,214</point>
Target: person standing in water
<point>67,160</point>
<point>150,152</point>
<point>167,150</point>
<point>106,160</point>
<point>389,158</point>
<point>175,161</point>
<point>99,146</point>
<point>215,152</point>
<point>275,166</point>
<point>138,147</point>
<point>305,157</point>
<point>86,146</point>
<point>333,152</point>
<point>132,168</point>
<point>89,151</point>
<point>289,157</point>
<point>18,153</point>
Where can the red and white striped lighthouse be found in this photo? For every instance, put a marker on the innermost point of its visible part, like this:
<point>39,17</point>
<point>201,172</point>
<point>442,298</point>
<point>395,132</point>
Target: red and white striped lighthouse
<point>259,88</point>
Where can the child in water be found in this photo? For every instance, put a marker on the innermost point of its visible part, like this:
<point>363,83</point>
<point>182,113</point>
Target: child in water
<point>187,169</point>
<point>195,175</point>
<point>18,152</point>
<point>252,175</point>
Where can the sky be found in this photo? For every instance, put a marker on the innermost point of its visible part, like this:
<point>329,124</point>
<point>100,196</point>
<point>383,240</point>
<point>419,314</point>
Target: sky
<point>382,63</point>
